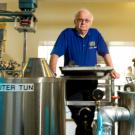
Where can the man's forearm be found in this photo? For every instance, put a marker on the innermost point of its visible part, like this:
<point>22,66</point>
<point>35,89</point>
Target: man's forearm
<point>53,62</point>
<point>108,60</point>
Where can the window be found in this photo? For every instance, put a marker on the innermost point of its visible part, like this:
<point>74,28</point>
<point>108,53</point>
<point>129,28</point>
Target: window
<point>122,54</point>
<point>44,51</point>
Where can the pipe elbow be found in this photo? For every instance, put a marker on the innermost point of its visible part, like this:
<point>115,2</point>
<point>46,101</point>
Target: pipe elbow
<point>107,115</point>
<point>111,114</point>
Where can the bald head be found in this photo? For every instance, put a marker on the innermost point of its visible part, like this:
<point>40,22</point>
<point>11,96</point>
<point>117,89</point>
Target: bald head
<point>83,21</point>
<point>86,11</point>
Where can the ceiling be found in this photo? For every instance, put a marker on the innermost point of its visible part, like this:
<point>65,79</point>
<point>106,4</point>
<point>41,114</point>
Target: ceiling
<point>61,12</point>
<point>114,18</point>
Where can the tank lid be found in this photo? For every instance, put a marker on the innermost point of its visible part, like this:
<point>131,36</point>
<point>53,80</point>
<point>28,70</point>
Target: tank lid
<point>37,67</point>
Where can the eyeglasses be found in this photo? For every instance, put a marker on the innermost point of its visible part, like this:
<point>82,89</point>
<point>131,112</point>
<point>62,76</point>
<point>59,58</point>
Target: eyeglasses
<point>83,20</point>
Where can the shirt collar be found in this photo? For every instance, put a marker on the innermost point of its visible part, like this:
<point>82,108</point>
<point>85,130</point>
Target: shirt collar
<point>81,35</point>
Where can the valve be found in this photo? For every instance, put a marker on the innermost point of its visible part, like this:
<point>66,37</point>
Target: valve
<point>97,94</point>
<point>115,97</point>
<point>114,100</point>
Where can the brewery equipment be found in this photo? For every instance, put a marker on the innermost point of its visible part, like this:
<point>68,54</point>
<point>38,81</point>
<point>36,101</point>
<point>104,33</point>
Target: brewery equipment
<point>33,101</point>
<point>105,82</point>
<point>102,95</point>
<point>38,112</point>
<point>34,105</point>
<point>127,100</point>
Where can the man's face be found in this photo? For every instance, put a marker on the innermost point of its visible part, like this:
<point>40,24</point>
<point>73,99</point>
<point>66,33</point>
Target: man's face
<point>83,22</point>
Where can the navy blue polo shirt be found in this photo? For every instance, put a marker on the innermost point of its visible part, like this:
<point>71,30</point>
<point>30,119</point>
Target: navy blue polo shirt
<point>81,51</point>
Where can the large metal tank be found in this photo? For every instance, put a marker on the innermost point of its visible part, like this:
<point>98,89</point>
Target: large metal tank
<point>41,112</point>
<point>37,112</point>
<point>127,100</point>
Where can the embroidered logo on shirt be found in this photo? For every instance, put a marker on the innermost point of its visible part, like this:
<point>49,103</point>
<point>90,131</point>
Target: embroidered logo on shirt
<point>92,44</point>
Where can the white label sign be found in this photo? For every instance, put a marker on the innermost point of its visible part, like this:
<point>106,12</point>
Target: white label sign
<point>16,87</point>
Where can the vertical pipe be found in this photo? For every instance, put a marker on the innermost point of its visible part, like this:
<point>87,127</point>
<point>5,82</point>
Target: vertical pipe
<point>0,49</point>
<point>24,49</point>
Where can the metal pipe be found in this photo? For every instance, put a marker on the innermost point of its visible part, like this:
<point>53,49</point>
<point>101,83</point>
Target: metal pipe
<point>24,49</point>
<point>109,115</point>
<point>7,19</point>
<point>10,13</point>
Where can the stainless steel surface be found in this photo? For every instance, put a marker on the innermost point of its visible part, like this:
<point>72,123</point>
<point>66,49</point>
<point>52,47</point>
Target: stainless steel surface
<point>104,83</point>
<point>114,113</point>
<point>86,103</point>
<point>24,49</point>
<point>13,114</point>
<point>37,67</point>
<point>94,71</point>
<point>41,112</point>
<point>110,115</point>
<point>127,100</point>
<point>87,68</point>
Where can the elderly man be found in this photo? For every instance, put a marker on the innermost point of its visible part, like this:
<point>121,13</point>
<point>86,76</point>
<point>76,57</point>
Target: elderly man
<point>80,45</point>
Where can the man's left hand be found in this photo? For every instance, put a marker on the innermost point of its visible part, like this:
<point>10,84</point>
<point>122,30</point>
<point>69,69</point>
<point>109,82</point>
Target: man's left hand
<point>115,75</point>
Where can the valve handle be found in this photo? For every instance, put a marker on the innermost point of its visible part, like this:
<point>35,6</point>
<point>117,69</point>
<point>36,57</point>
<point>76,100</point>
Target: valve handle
<point>98,94</point>
<point>115,97</point>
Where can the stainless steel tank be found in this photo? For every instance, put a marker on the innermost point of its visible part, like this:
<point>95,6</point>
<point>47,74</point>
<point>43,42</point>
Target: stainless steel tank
<point>127,100</point>
<point>41,112</point>
<point>38,112</point>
